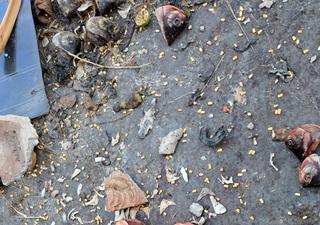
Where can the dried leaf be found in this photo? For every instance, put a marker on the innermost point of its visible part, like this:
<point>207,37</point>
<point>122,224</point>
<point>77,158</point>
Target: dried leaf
<point>122,192</point>
<point>165,204</point>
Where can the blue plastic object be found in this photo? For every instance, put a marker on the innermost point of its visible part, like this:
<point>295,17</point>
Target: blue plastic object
<point>22,90</point>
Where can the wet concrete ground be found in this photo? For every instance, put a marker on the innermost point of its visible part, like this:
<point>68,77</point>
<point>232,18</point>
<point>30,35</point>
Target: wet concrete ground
<point>171,81</point>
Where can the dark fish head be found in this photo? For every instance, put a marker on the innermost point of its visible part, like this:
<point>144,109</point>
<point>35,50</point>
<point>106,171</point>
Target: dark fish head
<point>172,21</point>
<point>293,142</point>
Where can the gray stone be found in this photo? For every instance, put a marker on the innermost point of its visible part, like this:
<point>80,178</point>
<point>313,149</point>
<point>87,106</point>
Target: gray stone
<point>250,126</point>
<point>196,209</point>
<point>169,142</point>
<point>17,140</point>
<point>266,4</point>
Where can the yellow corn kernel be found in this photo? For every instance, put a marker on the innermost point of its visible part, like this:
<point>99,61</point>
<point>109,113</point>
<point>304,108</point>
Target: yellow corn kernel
<point>236,185</point>
<point>222,53</point>
<point>297,41</point>
<point>251,218</point>
<point>223,19</point>
<point>179,110</point>
<point>299,31</point>
<point>200,174</point>
<point>235,58</point>
<point>279,46</point>
<point>209,166</point>
<point>261,200</point>
<point>159,176</point>
<point>297,194</point>
<point>280,95</point>
<point>218,79</point>
<point>207,180</point>
<point>240,174</point>
<point>216,89</point>
<point>254,30</point>
<point>221,169</point>
<point>211,9</point>
<point>160,191</point>
<point>210,103</point>
<point>289,213</point>
<point>294,38</point>
<point>238,210</point>
<point>270,51</point>
<point>241,201</point>
<point>190,27</point>
<point>249,114</point>
<point>192,59</point>
<point>194,190</point>
<point>240,34</point>
<point>241,84</point>
<point>304,217</point>
<point>259,32</point>
<point>244,170</point>
<point>165,214</point>
<point>276,81</point>
<point>220,150</point>
<point>305,51</point>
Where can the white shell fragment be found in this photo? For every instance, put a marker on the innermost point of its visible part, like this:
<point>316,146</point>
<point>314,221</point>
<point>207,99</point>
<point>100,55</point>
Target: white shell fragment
<point>61,179</point>
<point>171,176</point>
<point>79,189</point>
<point>217,206</point>
<point>313,58</point>
<point>54,193</point>
<point>196,209</point>
<point>225,181</point>
<point>133,212</point>
<point>75,173</point>
<point>147,120</point>
<point>169,142</point>
<point>250,126</point>
<point>115,140</point>
<point>184,174</point>
<point>165,204</point>
<point>154,193</point>
<point>204,192</point>
<point>271,161</point>
<point>93,201</point>
<point>146,210</point>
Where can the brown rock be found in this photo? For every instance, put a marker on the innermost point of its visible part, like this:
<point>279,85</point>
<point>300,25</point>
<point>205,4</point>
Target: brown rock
<point>68,101</point>
<point>17,140</point>
<point>169,142</point>
<point>122,192</point>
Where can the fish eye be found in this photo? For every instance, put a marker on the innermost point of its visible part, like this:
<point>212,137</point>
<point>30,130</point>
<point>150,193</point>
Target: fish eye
<point>290,142</point>
<point>308,177</point>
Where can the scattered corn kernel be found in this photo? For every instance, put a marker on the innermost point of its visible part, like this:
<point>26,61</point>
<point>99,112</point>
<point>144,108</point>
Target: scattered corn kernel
<point>216,39</point>
<point>297,41</point>
<point>305,51</point>
<point>209,166</point>
<point>250,76</point>
<point>165,214</point>
<point>235,58</point>
<point>251,218</point>
<point>220,150</point>
<point>299,31</point>
<point>207,180</point>
<point>221,169</point>
<point>304,217</point>
<point>216,89</point>
<point>241,201</point>
<point>241,84</point>
<point>190,171</point>
<point>190,27</point>
<point>218,79</point>
<point>271,128</point>
<point>280,95</point>
<point>276,81</point>
<point>249,114</point>
<point>319,48</point>
<point>222,53</point>
<point>192,59</point>
<point>236,185</point>
<point>238,210</point>
<point>289,213</point>
<point>254,30</point>
<point>259,32</point>
<point>194,190</point>
<point>205,4</point>
<point>294,38</point>
<point>211,9</point>
<point>261,200</point>
<point>200,174</point>
<point>240,174</point>
<point>210,103</point>
<point>297,194</point>
<point>244,170</point>
<point>240,34</point>
<point>200,50</point>
<point>270,51</point>
<point>159,176</point>
<point>223,19</point>
<point>252,152</point>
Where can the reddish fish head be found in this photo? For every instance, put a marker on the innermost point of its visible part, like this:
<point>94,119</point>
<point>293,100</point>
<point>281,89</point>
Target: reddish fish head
<point>293,142</point>
<point>309,170</point>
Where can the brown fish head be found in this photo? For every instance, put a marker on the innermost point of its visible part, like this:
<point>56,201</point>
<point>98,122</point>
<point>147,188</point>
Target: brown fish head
<point>293,142</point>
<point>309,171</point>
<point>172,21</point>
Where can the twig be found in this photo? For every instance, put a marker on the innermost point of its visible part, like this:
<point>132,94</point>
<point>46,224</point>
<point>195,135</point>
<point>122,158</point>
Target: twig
<point>108,67</point>
<point>50,150</point>
<point>205,86</point>
<point>20,213</point>
<point>230,7</point>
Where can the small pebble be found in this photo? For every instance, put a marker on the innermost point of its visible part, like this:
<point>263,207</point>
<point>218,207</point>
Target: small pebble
<point>250,126</point>
<point>201,29</point>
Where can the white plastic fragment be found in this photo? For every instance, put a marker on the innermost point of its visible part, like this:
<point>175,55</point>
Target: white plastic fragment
<point>169,142</point>
<point>196,209</point>
<point>93,201</point>
<point>75,173</point>
<point>266,4</point>
<point>79,189</point>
